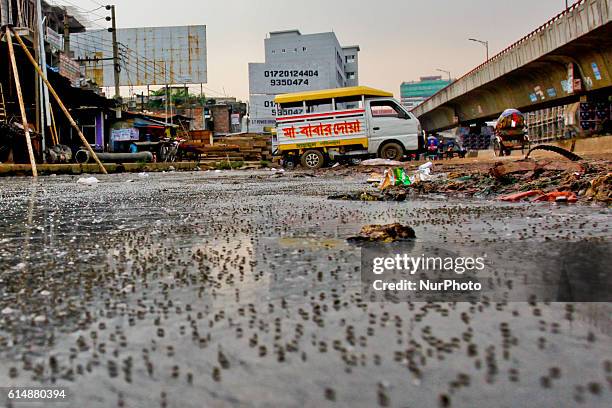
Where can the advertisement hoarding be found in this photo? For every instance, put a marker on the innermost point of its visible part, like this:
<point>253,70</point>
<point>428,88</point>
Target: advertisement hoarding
<point>148,55</point>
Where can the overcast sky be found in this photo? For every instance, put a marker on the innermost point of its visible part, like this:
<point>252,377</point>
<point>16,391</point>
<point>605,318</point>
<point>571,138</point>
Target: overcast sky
<point>400,40</point>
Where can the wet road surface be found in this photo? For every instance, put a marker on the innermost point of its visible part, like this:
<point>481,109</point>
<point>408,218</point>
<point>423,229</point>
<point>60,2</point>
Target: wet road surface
<point>238,289</point>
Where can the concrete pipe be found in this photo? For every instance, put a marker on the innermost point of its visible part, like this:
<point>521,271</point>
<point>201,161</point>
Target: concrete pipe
<point>83,156</point>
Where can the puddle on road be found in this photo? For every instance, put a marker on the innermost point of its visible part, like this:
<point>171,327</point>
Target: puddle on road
<point>202,290</point>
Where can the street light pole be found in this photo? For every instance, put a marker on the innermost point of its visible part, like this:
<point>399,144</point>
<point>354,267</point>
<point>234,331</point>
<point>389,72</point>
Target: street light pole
<point>446,72</point>
<point>485,43</point>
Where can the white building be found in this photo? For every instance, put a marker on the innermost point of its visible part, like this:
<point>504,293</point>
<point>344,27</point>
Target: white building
<point>297,63</point>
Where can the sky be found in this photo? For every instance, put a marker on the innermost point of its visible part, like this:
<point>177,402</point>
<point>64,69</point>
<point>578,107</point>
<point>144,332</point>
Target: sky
<point>400,40</point>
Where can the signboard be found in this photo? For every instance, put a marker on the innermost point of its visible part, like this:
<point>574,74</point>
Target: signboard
<point>124,135</point>
<point>274,79</point>
<point>54,38</point>
<point>68,68</point>
<point>570,78</point>
<point>328,132</point>
<point>149,55</point>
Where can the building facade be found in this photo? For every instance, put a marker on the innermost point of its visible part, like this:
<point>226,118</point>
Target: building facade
<point>415,92</point>
<point>297,63</point>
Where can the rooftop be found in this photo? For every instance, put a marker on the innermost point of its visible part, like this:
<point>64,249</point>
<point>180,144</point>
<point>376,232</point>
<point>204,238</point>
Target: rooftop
<point>331,93</point>
<point>285,32</point>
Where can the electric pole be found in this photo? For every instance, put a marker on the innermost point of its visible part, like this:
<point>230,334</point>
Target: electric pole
<point>43,92</point>
<point>116,66</point>
<point>66,35</point>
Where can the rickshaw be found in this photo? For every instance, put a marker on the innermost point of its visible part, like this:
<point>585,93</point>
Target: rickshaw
<point>510,133</point>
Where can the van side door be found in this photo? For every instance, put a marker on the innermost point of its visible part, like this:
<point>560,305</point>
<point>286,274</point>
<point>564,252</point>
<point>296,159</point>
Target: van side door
<point>389,121</point>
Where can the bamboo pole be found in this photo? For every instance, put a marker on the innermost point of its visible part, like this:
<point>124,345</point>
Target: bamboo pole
<point>24,119</point>
<point>59,102</point>
<point>54,135</point>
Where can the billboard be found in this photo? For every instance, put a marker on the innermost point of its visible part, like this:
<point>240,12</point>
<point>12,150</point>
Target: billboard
<point>148,55</point>
<point>283,78</point>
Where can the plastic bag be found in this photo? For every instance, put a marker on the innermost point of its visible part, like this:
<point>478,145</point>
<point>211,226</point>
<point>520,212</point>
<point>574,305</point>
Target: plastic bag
<point>401,177</point>
<point>388,179</point>
<point>395,177</point>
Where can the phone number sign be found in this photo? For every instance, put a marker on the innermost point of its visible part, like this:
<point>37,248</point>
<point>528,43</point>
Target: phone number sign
<point>286,78</point>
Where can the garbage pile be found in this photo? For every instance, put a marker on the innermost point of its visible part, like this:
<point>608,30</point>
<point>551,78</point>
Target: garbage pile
<point>398,176</point>
<point>59,154</point>
<point>545,180</point>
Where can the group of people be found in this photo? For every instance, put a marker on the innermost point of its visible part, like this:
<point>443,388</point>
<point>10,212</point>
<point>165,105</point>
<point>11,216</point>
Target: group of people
<point>438,148</point>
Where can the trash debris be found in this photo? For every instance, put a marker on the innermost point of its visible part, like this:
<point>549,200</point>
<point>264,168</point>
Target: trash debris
<point>426,167</point>
<point>143,175</point>
<point>521,196</point>
<point>395,194</point>
<point>88,181</point>
<point>554,196</point>
<point>381,162</point>
<point>555,149</point>
<point>7,311</point>
<point>375,178</point>
<point>384,233</point>
<point>508,181</point>
<point>59,154</point>
<point>500,170</point>
<point>398,176</point>
<point>601,189</point>
<point>558,196</point>
<point>395,177</point>
<point>40,319</point>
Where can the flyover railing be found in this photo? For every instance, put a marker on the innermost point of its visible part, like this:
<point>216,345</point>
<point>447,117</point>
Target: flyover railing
<point>579,19</point>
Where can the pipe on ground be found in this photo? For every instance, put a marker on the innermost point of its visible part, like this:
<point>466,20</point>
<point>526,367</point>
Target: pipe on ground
<point>83,156</point>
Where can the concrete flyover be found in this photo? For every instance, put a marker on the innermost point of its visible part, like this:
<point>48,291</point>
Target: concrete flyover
<point>564,60</point>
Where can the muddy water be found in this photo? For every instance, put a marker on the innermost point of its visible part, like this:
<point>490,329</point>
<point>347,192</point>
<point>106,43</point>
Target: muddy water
<point>239,290</point>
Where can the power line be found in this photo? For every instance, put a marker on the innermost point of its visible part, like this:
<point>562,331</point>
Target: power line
<point>98,3</point>
<point>79,8</point>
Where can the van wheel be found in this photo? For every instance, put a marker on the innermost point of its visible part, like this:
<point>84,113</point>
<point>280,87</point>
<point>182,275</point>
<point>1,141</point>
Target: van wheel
<point>391,151</point>
<point>313,159</point>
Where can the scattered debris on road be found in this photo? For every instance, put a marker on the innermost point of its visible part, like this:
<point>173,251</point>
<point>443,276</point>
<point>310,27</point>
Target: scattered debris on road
<point>88,181</point>
<point>384,233</point>
<point>500,170</point>
<point>586,180</point>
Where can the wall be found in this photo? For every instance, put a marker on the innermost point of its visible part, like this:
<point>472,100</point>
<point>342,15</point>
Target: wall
<point>221,119</point>
<point>351,67</point>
